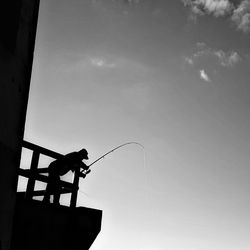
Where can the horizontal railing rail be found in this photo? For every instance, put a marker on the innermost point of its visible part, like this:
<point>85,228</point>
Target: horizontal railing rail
<point>35,174</point>
<point>42,150</point>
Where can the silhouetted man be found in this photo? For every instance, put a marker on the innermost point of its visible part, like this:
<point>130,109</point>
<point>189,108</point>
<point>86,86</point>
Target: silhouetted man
<point>60,167</point>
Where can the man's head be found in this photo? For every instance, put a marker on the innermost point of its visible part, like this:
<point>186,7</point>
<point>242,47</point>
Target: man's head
<point>84,154</point>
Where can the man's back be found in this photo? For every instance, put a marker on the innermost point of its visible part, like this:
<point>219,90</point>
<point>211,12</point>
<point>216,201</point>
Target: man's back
<point>61,166</point>
<point>66,163</point>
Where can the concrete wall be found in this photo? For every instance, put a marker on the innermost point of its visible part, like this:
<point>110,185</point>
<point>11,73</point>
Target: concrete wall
<point>18,21</point>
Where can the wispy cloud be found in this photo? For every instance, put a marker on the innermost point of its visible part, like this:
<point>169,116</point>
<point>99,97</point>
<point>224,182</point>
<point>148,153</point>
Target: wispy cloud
<point>189,60</point>
<point>225,58</point>
<point>205,57</point>
<point>204,76</point>
<point>88,62</point>
<point>119,1</point>
<point>241,16</point>
<point>132,1</point>
<point>101,63</point>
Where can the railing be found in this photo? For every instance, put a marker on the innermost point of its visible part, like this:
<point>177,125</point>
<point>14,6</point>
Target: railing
<point>35,174</point>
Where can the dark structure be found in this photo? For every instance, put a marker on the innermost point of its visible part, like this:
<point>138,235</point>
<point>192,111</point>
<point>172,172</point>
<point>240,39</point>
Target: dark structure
<point>51,226</point>
<point>18,21</point>
<point>38,226</point>
<point>36,174</point>
<point>26,223</point>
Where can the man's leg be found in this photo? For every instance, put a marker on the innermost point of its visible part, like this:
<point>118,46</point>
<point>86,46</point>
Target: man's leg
<point>57,190</point>
<point>46,197</point>
<point>49,188</point>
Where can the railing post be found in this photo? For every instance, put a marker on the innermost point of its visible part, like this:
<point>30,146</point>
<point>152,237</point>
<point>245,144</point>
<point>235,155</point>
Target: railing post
<point>75,188</point>
<point>33,168</point>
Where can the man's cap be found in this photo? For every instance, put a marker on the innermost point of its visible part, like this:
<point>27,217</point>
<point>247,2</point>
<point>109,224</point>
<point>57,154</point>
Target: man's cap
<point>84,153</point>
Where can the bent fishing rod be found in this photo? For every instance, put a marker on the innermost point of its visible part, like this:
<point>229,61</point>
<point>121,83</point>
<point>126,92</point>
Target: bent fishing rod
<point>109,152</point>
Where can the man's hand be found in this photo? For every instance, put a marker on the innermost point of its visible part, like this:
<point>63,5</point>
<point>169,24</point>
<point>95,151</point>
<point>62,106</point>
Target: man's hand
<point>84,173</point>
<point>84,167</point>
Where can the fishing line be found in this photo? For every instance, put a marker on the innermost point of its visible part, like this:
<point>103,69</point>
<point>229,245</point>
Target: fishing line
<point>148,188</point>
<point>79,190</point>
<point>147,182</point>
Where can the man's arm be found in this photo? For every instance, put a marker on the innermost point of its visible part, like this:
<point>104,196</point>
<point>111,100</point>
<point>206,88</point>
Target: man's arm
<point>85,170</point>
<point>83,166</point>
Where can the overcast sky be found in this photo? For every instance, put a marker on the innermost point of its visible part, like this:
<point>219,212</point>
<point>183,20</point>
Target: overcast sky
<point>172,75</point>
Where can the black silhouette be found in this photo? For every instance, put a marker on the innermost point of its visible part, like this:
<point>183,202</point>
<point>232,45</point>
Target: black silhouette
<point>69,162</point>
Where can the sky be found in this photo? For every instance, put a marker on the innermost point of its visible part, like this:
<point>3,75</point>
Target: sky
<point>170,75</point>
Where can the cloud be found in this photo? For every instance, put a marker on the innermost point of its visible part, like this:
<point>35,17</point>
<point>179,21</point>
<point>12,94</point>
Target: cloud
<point>211,7</point>
<point>225,58</point>
<point>189,60</point>
<point>228,59</point>
<point>132,1</point>
<point>87,62</point>
<point>241,16</point>
<point>201,45</point>
<point>101,63</point>
<point>204,76</point>
<point>129,2</point>
<point>205,57</point>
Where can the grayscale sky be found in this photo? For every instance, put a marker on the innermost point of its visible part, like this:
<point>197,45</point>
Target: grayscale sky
<point>172,75</point>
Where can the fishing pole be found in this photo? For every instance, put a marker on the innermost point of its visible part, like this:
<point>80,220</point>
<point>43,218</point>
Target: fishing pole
<point>109,152</point>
